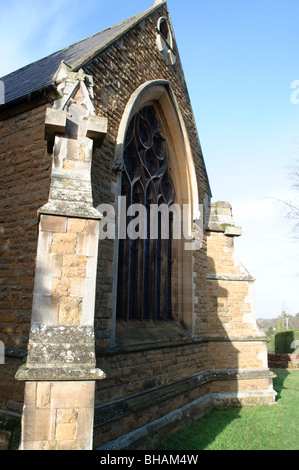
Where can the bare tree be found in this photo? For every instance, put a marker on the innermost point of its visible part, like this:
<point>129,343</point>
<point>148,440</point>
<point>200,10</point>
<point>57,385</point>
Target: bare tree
<point>291,206</point>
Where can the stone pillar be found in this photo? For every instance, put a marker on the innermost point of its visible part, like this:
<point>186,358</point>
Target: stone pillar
<point>60,371</point>
<point>236,343</point>
<point>58,416</point>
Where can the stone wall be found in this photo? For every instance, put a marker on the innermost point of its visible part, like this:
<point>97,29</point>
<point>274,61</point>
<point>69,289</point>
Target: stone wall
<point>26,170</point>
<point>58,416</point>
<point>68,247</point>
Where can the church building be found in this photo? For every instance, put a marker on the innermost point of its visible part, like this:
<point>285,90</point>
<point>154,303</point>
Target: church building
<point>124,309</point>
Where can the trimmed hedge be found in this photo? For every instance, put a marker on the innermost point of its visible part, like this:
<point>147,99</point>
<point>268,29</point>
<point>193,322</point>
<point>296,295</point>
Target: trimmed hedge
<point>283,361</point>
<point>283,341</point>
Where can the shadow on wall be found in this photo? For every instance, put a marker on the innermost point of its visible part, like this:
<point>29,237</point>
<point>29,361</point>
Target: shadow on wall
<point>101,183</point>
<point>215,370</point>
<point>222,354</point>
<point>199,433</point>
<point>223,358</point>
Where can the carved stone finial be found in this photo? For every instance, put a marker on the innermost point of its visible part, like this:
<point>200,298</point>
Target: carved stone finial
<point>81,75</point>
<point>70,127</point>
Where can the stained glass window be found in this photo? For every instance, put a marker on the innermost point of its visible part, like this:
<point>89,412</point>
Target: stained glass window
<point>145,265</point>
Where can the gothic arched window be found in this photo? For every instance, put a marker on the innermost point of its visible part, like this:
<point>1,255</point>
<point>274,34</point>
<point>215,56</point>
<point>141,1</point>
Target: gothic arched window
<point>145,264</point>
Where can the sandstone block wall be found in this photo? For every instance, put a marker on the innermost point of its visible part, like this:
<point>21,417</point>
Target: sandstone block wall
<point>236,342</point>
<point>68,248</point>
<point>58,416</point>
<point>25,170</point>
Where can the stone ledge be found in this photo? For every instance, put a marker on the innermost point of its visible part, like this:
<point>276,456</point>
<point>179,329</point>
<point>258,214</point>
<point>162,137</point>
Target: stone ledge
<point>135,334</point>
<point>228,230</point>
<point>70,209</point>
<point>116,409</point>
<point>128,349</point>
<point>230,277</point>
<point>15,353</point>
<point>237,339</point>
<point>59,374</point>
<point>157,431</point>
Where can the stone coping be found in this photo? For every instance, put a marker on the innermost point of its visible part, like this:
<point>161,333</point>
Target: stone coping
<point>146,346</point>
<point>230,277</point>
<point>22,353</point>
<point>118,408</point>
<point>69,374</point>
<point>155,432</point>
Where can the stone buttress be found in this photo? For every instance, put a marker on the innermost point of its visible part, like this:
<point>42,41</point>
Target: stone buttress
<point>236,345</point>
<point>60,371</point>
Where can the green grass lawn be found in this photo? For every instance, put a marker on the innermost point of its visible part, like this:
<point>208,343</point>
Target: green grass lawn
<point>254,428</point>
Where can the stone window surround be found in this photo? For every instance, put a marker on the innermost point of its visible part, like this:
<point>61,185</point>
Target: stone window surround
<point>161,94</point>
<point>165,44</point>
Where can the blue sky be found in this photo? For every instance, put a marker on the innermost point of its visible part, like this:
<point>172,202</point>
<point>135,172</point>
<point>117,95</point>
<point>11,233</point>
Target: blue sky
<point>240,59</point>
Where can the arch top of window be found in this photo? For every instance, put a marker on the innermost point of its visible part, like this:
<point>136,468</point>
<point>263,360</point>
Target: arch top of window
<point>146,152</point>
<point>164,30</point>
<point>161,93</point>
<point>152,91</point>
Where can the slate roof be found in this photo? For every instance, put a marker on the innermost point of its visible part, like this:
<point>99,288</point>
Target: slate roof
<point>39,75</point>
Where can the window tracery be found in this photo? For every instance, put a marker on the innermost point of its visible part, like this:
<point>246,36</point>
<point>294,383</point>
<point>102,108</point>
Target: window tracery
<point>145,265</point>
